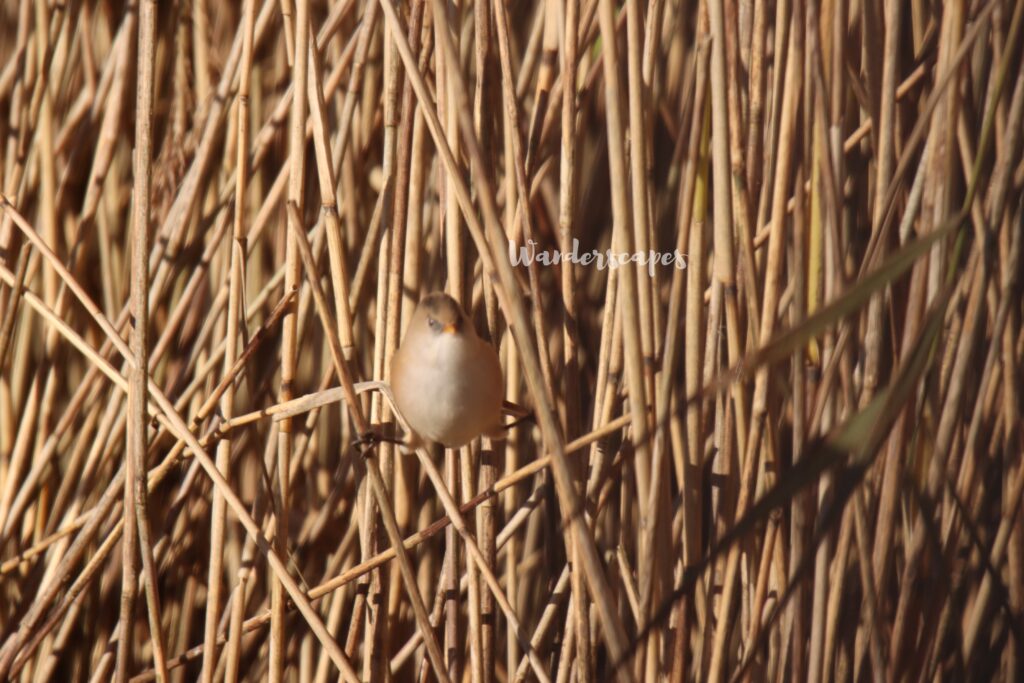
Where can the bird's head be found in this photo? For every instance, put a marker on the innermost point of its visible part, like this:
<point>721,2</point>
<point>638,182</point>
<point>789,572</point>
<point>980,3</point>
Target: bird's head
<point>443,315</point>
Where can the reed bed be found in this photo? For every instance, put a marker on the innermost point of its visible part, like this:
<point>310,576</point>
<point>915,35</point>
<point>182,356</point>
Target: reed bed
<point>797,458</point>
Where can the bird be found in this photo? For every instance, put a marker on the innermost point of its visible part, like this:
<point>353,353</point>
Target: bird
<point>446,381</point>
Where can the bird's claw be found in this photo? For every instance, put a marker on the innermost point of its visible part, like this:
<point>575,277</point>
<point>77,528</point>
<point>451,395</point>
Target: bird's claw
<point>370,439</point>
<point>528,417</point>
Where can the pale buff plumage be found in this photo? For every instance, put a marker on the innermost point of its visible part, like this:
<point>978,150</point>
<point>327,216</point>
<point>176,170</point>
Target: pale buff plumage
<point>446,381</point>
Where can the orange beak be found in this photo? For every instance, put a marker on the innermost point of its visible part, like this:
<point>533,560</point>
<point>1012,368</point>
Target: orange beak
<point>450,329</point>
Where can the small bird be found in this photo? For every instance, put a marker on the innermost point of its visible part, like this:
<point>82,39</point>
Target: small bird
<point>446,381</point>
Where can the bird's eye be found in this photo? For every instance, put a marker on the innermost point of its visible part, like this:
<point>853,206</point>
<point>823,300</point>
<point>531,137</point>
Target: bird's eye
<point>434,325</point>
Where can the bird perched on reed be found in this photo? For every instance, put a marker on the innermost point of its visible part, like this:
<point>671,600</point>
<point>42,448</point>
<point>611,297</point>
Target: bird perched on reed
<point>446,381</point>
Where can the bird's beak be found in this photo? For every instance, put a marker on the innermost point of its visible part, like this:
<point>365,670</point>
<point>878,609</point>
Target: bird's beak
<point>450,329</point>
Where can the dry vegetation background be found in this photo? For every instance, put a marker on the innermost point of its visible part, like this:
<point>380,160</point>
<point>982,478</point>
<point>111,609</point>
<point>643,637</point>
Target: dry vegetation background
<point>797,459</point>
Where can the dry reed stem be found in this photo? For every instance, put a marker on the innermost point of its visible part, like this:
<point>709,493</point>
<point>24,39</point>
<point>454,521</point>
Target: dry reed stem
<point>236,294</point>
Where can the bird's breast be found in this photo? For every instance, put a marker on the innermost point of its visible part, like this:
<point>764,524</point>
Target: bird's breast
<point>448,395</point>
